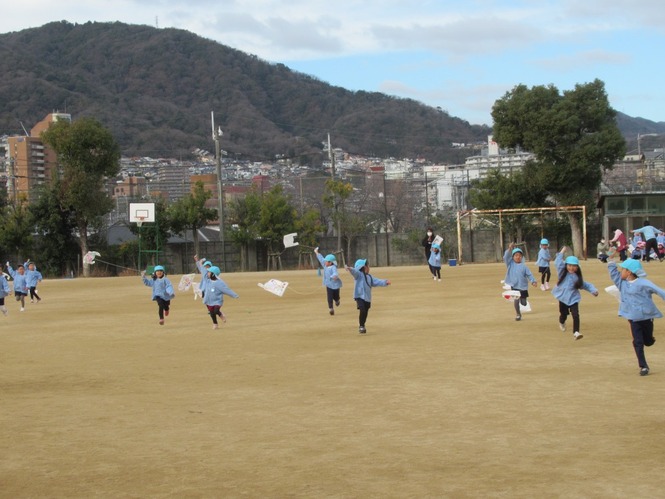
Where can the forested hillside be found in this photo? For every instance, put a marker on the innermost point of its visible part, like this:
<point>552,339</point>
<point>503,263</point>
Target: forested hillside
<point>155,89</point>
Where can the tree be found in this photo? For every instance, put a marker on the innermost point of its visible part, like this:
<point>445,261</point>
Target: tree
<point>573,135</point>
<point>56,227</point>
<point>244,217</point>
<point>191,213</point>
<point>87,155</point>
<point>276,218</point>
<point>16,230</point>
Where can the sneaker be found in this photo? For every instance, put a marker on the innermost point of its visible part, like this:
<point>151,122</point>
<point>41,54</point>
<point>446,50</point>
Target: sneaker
<point>518,318</point>
<point>222,316</point>
<point>362,330</point>
<point>434,277</point>
<point>215,326</point>
<point>644,371</point>
<point>32,301</point>
<point>577,335</point>
<point>439,279</point>
<point>161,322</point>
<point>562,326</point>
<point>547,285</point>
<point>337,303</point>
<point>4,310</point>
<point>332,311</point>
<point>542,287</point>
<point>22,309</point>
<point>166,313</point>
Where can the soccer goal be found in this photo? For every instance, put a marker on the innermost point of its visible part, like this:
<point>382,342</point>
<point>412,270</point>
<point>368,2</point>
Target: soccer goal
<point>493,224</point>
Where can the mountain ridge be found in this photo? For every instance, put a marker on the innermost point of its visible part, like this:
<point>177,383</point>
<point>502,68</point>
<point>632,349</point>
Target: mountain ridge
<point>155,88</point>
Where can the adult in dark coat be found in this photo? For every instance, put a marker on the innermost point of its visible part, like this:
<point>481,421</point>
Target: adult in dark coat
<point>427,243</point>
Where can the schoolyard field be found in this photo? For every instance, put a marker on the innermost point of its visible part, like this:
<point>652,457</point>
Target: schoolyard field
<point>445,396</point>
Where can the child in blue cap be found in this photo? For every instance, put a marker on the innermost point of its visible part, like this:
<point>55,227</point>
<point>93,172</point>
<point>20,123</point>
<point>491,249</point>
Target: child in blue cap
<point>517,277</point>
<point>162,291</point>
<point>362,292</point>
<point>567,290</point>
<point>636,305</point>
<point>331,279</point>
<point>214,295</point>
<point>435,261</point>
<point>543,262</point>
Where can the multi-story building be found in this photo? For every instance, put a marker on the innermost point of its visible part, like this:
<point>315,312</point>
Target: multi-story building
<point>30,163</point>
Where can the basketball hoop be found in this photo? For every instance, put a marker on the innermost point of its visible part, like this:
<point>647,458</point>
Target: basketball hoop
<point>139,221</point>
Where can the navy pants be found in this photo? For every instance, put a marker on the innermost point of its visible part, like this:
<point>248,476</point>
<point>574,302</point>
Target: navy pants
<point>364,307</point>
<point>573,310</point>
<point>642,332</point>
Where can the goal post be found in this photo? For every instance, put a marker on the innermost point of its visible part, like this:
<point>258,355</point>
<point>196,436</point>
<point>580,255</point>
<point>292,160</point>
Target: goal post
<point>465,220</point>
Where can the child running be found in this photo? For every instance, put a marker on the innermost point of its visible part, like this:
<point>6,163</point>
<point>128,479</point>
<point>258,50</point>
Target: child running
<point>214,296</point>
<point>33,277</point>
<point>331,279</point>
<point>435,261</point>
<point>162,291</point>
<point>567,290</point>
<point>4,291</point>
<point>362,292</point>
<point>517,277</point>
<point>203,266</point>
<point>543,262</point>
<point>20,283</point>
<point>636,304</point>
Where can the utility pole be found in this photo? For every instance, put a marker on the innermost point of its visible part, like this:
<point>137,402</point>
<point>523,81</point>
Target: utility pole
<point>216,132</point>
<point>331,156</point>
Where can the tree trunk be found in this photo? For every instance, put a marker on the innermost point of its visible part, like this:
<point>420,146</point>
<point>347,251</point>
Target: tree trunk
<point>195,237</point>
<point>83,244</point>
<point>576,234</point>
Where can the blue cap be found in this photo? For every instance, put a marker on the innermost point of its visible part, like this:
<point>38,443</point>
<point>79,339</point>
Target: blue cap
<point>158,267</point>
<point>544,241</point>
<point>215,270</point>
<point>207,263</point>
<point>517,250</point>
<point>330,258</point>
<point>633,266</point>
<point>360,263</point>
<point>572,260</point>
<point>436,246</point>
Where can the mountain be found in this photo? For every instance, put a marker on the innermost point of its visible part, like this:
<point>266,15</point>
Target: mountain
<point>155,89</point>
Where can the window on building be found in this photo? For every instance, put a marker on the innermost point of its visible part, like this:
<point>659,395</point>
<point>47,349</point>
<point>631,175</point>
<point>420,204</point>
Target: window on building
<point>615,206</point>
<point>637,205</point>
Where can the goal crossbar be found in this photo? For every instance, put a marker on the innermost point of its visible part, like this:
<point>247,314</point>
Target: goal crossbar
<point>518,211</point>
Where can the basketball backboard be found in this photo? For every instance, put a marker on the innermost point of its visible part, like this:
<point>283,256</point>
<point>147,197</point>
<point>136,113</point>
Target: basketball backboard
<point>141,212</point>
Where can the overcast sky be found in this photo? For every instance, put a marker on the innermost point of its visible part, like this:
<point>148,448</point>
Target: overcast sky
<point>460,56</point>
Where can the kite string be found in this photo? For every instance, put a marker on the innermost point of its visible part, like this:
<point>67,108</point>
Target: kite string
<point>115,265</point>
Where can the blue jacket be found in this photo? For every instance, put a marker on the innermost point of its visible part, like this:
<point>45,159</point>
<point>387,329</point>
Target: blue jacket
<point>544,257</point>
<point>364,284</point>
<point>215,291</point>
<point>435,259</point>
<point>161,288</point>
<point>204,274</point>
<point>518,275</point>
<point>330,275</point>
<point>4,286</point>
<point>636,303</point>
<point>649,232</point>
<point>32,278</point>
<point>566,292</point>
<point>20,283</point>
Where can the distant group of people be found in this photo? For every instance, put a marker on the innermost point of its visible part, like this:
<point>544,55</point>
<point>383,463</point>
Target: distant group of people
<point>25,279</point>
<point>635,292</point>
<point>647,243</point>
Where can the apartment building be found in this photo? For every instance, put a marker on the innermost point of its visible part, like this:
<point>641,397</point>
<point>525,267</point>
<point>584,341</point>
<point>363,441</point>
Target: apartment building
<point>30,163</point>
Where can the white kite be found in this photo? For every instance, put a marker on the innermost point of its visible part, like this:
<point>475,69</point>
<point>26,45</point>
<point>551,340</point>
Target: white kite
<point>511,295</point>
<point>89,257</point>
<point>196,287</point>
<point>274,286</point>
<point>290,240</point>
<point>614,291</point>
<point>186,282</point>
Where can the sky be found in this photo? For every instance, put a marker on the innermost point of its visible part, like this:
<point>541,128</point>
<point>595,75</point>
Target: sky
<point>460,56</point>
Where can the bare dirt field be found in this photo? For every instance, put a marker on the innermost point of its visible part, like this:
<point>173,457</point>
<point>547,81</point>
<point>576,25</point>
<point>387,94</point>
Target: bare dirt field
<point>445,396</point>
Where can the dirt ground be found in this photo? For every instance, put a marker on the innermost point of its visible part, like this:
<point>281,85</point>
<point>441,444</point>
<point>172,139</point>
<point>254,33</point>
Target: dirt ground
<point>445,396</point>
